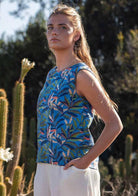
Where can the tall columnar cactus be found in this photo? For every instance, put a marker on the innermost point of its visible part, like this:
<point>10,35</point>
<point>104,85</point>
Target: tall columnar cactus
<point>121,168</point>
<point>18,117</point>
<point>3,121</point>
<point>17,178</point>
<point>3,125</point>
<point>17,129</point>
<point>2,93</point>
<point>8,184</point>
<point>1,176</point>
<point>24,142</point>
<point>2,189</point>
<point>128,153</point>
<point>17,126</point>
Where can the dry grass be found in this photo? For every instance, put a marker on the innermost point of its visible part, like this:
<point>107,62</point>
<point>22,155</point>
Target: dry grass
<point>119,187</point>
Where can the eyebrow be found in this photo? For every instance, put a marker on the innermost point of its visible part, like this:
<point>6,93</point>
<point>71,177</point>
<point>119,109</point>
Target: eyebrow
<point>58,24</point>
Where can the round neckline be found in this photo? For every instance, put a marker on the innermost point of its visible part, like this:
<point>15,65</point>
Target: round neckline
<point>66,68</point>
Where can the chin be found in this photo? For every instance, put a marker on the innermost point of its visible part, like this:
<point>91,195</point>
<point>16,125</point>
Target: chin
<point>57,48</point>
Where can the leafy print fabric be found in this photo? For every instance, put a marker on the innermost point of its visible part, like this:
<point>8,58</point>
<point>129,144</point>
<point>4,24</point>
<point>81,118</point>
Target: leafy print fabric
<point>63,119</point>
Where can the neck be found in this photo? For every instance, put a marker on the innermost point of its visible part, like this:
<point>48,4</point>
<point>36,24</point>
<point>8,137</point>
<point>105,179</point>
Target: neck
<point>65,58</point>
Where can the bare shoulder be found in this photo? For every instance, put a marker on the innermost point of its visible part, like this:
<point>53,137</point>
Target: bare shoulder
<point>84,73</point>
<point>86,81</point>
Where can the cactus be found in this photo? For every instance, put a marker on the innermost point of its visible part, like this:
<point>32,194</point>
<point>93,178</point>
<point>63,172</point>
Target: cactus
<point>3,121</point>
<point>24,141</point>
<point>18,117</point>
<point>13,172</point>
<point>2,189</point>
<point>3,128</point>
<point>121,168</point>
<point>3,93</point>
<point>1,173</point>
<point>128,152</point>
<point>17,178</point>
<point>8,184</point>
<point>1,177</point>
<point>17,128</point>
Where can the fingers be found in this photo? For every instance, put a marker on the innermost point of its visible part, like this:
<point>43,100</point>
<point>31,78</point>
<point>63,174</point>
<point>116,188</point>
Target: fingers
<point>69,164</point>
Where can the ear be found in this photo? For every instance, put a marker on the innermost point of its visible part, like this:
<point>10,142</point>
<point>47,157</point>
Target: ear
<point>77,35</point>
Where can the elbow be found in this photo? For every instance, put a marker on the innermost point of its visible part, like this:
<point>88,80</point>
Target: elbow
<point>119,126</point>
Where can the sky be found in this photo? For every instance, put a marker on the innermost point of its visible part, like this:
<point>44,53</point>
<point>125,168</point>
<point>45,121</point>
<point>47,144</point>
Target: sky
<point>9,23</point>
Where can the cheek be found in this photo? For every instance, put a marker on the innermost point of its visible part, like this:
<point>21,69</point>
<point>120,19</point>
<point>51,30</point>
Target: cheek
<point>71,39</point>
<point>70,31</point>
<point>69,36</point>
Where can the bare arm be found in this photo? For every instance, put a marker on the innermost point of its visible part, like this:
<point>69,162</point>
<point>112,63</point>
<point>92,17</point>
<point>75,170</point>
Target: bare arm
<point>87,85</point>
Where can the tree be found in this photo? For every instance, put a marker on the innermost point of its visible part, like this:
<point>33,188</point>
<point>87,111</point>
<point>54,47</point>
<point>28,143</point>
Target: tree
<point>104,20</point>
<point>44,5</point>
<point>126,84</point>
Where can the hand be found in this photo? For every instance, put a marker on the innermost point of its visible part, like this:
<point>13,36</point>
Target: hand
<point>80,163</point>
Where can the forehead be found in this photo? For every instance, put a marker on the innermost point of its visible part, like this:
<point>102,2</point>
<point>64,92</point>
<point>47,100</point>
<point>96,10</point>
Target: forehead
<point>59,19</point>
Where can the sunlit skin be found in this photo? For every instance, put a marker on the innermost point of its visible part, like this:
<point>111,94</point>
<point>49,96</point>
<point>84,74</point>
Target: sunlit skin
<point>61,38</point>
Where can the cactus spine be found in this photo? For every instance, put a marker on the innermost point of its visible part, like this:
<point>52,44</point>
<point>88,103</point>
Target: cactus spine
<point>17,128</point>
<point>17,178</point>
<point>2,189</point>
<point>128,152</point>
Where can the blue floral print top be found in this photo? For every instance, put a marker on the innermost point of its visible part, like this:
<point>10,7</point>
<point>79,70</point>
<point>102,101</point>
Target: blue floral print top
<point>63,119</point>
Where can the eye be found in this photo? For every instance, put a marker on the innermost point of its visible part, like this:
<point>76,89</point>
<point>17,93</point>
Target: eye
<point>49,28</point>
<point>63,27</point>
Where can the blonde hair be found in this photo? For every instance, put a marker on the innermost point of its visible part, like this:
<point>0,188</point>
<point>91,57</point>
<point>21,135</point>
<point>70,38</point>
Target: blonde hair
<point>81,47</point>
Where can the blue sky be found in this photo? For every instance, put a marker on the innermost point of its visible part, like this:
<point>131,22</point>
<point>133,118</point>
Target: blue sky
<point>9,23</point>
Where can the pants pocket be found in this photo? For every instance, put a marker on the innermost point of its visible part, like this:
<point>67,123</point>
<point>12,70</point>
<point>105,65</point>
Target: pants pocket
<point>78,169</point>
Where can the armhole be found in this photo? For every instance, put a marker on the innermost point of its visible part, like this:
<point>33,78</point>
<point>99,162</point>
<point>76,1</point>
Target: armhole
<point>84,67</point>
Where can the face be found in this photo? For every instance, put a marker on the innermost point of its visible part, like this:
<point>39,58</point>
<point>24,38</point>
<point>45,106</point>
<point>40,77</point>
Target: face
<point>60,32</point>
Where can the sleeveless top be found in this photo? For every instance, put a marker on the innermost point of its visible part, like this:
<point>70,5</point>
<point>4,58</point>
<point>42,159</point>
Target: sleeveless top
<point>63,119</point>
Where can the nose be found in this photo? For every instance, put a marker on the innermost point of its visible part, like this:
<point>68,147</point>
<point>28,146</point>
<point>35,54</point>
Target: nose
<point>54,31</point>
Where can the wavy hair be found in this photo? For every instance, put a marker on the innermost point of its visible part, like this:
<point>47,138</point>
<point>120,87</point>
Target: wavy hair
<point>81,47</point>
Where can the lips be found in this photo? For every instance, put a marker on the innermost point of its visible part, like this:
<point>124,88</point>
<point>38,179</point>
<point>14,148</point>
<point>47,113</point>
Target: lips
<point>54,39</point>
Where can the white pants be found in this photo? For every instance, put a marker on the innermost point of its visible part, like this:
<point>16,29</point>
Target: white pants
<point>53,180</point>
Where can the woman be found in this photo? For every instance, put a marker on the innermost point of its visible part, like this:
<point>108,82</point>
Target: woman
<point>67,158</point>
